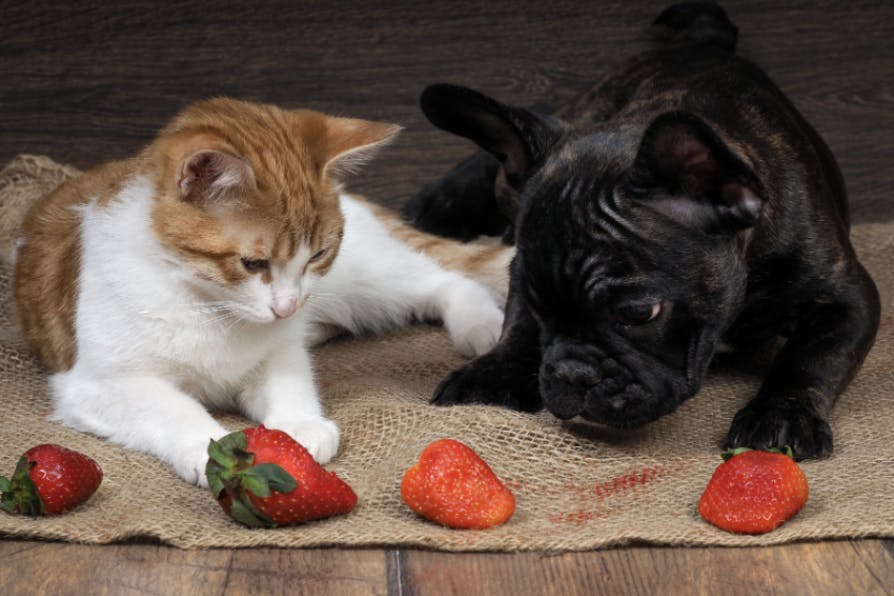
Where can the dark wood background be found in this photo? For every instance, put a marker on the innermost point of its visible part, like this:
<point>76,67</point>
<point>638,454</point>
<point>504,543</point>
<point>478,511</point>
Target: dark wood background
<point>90,81</point>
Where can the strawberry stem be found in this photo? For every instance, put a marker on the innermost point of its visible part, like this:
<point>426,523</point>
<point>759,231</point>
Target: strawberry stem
<point>19,492</point>
<point>230,472</point>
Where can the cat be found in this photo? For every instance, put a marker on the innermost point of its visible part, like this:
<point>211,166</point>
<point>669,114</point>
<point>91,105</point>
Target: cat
<point>197,275</point>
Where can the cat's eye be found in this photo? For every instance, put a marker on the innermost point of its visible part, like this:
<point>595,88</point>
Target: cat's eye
<point>255,265</point>
<point>318,255</point>
<point>638,314</point>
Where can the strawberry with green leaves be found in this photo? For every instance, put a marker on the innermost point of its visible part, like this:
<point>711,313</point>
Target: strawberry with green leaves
<point>754,492</point>
<point>453,486</point>
<point>264,478</point>
<point>49,480</point>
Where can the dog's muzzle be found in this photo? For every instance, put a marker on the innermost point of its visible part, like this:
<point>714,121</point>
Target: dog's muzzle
<point>580,380</point>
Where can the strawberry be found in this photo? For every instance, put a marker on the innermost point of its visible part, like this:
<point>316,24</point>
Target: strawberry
<point>49,480</point>
<point>265,478</point>
<point>452,486</point>
<point>753,492</point>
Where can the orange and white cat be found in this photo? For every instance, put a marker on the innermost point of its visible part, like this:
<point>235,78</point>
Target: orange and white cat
<point>197,274</point>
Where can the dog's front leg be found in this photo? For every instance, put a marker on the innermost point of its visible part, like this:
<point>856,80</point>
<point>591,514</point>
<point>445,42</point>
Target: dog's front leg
<point>508,374</point>
<point>812,369</point>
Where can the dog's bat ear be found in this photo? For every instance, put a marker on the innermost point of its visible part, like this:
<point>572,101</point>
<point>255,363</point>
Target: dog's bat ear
<point>691,173</point>
<point>519,138</point>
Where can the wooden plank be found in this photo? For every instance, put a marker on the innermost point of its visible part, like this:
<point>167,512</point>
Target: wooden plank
<point>856,567</point>
<point>28,567</point>
<point>827,568</point>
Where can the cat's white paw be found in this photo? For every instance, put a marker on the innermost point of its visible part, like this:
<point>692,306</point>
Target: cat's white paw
<point>318,435</point>
<point>473,320</point>
<point>190,465</point>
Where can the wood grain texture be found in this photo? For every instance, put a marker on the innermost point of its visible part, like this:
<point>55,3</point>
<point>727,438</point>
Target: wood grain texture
<point>47,568</point>
<point>831,568</point>
<point>90,81</point>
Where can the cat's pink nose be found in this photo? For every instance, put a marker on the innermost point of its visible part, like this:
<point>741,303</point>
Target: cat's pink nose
<point>285,307</point>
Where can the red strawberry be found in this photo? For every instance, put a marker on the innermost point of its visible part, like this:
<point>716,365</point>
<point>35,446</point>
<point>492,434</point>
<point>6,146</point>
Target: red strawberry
<point>49,480</point>
<point>452,486</point>
<point>265,478</point>
<point>754,492</point>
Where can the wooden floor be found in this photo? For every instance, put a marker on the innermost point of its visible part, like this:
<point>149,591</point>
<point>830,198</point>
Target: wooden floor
<point>89,81</point>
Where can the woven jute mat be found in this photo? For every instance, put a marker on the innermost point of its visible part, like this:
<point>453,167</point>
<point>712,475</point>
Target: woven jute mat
<point>577,487</point>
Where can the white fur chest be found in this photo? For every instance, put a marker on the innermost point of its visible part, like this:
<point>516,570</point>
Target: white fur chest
<point>137,312</point>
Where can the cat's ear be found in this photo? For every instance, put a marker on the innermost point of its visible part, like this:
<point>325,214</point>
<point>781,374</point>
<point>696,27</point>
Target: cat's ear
<point>341,145</point>
<point>202,167</point>
<point>213,174</point>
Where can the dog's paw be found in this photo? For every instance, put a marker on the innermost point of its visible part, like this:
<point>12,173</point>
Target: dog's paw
<point>489,380</point>
<point>473,320</point>
<point>762,425</point>
<point>320,436</point>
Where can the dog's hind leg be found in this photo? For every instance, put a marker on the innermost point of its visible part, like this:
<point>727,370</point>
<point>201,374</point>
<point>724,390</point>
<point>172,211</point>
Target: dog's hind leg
<point>463,203</point>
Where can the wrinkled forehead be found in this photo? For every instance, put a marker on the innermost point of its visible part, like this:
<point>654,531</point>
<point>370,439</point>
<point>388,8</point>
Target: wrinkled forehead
<point>558,251</point>
<point>595,158</point>
<point>582,217</point>
<point>605,251</point>
<point>572,188</point>
<point>581,204</point>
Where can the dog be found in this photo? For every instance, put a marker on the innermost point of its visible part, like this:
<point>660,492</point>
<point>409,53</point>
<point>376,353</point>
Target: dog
<point>681,205</point>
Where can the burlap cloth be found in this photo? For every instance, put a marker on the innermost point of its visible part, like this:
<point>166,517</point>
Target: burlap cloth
<point>577,487</point>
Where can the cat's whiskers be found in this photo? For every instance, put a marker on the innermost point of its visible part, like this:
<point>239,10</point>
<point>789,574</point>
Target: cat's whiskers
<point>210,309</point>
<point>231,322</point>
<point>222,317</point>
<point>312,296</point>
<point>211,312</point>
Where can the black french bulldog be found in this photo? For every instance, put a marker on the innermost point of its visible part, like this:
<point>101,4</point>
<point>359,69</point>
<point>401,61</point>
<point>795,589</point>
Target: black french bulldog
<point>681,203</point>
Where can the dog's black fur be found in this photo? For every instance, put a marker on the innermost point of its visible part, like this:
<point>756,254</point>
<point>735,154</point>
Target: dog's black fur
<point>682,203</point>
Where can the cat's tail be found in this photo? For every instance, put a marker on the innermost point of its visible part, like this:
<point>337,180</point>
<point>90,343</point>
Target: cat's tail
<point>485,260</point>
<point>698,23</point>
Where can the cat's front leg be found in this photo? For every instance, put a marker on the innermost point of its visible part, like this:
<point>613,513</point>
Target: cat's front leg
<point>378,282</point>
<point>470,315</point>
<point>284,396</point>
<point>141,412</point>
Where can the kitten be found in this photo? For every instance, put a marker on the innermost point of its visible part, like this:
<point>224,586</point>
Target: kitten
<point>198,273</point>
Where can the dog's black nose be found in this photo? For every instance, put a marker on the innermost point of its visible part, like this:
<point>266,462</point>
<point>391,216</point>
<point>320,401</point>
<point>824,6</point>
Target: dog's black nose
<point>564,386</point>
<point>576,373</point>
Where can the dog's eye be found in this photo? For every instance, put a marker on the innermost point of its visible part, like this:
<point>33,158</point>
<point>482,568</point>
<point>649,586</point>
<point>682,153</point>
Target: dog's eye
<point>255,265</point>
<point>318,255</point>
<point>638,314</point>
